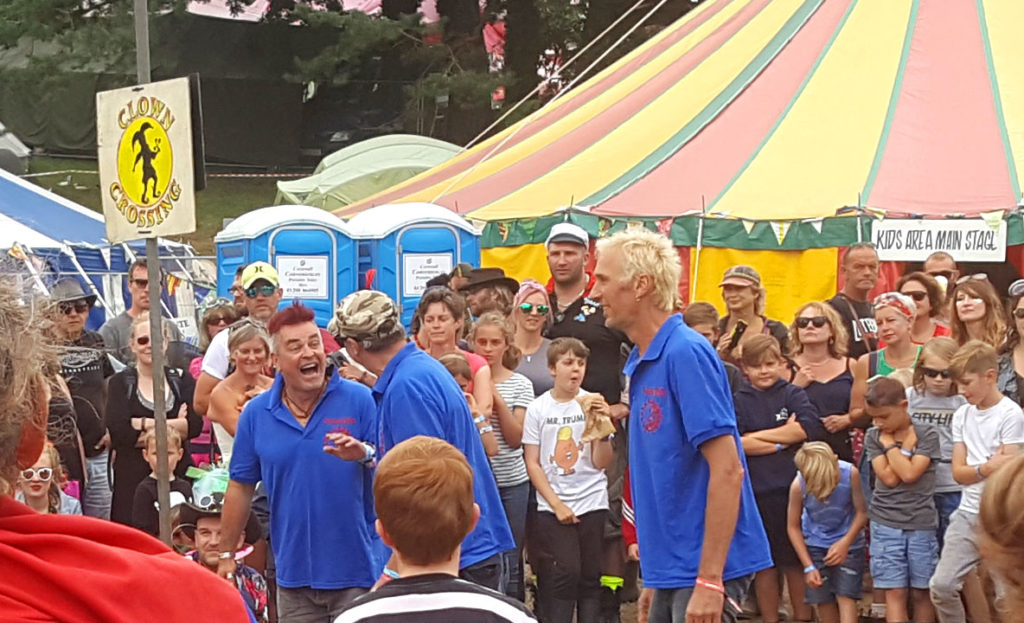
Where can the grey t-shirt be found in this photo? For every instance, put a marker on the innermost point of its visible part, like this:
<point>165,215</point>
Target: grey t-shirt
<point>117,336</point>
<point>907,506</point>
<point>938,411</point>
<point>535,368</point>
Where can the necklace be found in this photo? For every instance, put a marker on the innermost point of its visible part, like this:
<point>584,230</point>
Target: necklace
<point>306,413</point>
<point>563,306</point>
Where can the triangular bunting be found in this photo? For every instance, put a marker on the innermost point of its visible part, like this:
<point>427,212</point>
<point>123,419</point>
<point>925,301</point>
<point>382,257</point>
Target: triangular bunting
<point>817,223</point>
<point>780,228</point>
<point>665,226</point>
<point>993,219</point>
<point>748,225</point>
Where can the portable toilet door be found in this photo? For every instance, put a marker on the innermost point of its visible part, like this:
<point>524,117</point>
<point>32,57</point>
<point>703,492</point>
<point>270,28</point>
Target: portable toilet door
<point>409,244</point>
<point>312,250</point>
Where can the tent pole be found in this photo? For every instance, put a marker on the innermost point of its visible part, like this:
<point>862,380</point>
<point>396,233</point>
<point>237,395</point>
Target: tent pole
<point>85,275</point>
<point>32,269</point>
<point>860,234</point>
<point>700,245</point>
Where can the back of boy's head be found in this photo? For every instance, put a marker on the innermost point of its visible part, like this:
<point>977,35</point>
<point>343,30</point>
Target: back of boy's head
<point>1001,529</point>
<point>423,493</point>
<point>819,466</point>
<point>562,346</point>
<point>457,365</point>
<point>759,350</point>
<point>974,357</point>
<point>884,391</point>
<point>700,313</point>
<point>904,375</point>
<point>173,439</point>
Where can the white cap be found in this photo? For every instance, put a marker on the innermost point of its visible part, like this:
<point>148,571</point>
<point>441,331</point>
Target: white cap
<point>567,232</point>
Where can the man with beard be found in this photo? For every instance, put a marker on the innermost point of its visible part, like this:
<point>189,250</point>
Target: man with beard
<point>117,331</point>
<point>85,367</point>
<point>321,509</point>
<point>860,275</point>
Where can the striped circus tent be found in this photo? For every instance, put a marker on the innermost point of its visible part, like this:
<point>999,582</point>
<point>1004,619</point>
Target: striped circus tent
<point>767,132</point>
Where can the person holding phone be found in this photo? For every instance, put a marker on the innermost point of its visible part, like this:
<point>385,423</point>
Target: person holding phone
<point>744,298</point>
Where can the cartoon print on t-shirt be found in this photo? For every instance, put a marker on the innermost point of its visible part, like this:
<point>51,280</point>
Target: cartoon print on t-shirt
<point>567,451</point>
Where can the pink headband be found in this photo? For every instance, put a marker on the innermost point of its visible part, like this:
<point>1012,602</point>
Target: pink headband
<point>528,287</point>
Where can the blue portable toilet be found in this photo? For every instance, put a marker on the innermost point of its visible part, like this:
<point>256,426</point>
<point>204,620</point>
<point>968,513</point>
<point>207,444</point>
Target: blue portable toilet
<point>312,250</point>
<point>404,245</point>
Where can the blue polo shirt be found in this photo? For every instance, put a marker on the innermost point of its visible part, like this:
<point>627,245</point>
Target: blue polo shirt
<point>679,399</point>
<point>416,395</point>
<point>321,507</point>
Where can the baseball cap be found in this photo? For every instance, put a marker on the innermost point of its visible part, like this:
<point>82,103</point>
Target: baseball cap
<point>260,270</point>
<point>567,232</point>
<point>740,275</point>
<point>367,316</point>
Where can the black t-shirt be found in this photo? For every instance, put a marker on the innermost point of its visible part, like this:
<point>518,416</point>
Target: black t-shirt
<point>145,516</point>
<point>584,320</point>
<point>84,365</point>
<point>859,317</point>
<point>450,600</point>
<point>62,432</point>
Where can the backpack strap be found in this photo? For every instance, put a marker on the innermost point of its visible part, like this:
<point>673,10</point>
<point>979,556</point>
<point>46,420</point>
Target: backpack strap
<point>872,363</point>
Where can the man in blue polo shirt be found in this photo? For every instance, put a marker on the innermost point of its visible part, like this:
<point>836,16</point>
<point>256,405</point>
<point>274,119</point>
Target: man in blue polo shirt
<point>321,509</point>
<point>416,395</point>
<point>699,533</point>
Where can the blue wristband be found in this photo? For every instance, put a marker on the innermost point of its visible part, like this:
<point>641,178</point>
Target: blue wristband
<point>809,568</point>
<point>391,573</point>
<point>779,447</point>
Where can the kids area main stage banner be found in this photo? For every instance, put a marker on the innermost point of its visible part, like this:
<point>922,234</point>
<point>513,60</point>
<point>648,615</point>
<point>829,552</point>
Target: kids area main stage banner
<point>967,240</point>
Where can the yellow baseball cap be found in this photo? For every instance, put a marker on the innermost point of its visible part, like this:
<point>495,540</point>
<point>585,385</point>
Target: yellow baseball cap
<point>260,270</point>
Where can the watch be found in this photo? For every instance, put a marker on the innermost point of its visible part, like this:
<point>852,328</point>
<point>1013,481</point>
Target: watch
<point>226,555</point>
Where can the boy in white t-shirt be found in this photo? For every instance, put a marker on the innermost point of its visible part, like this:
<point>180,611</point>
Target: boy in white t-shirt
<point>572,490</point>
<point>987,434</point>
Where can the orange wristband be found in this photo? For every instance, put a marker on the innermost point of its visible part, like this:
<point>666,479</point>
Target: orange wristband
<point>718,588</point>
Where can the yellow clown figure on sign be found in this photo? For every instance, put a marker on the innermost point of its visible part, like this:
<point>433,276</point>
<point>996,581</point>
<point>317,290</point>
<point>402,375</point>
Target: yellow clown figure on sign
<point>145,153</point>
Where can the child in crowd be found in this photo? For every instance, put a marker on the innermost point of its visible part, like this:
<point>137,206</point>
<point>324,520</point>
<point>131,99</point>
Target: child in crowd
<point>1001,531</point>
<point>774,417</point>
<point>145,515</point>
<point>458,366</point>
<point>493,338</point>
<point>987,434</point>
<point>702,317</point>
<point>826,519</point>
<point>572,490</point>
<point>932,400</point>
<point>39,486</point>
<point>423,494</point>
<point>904,548</point>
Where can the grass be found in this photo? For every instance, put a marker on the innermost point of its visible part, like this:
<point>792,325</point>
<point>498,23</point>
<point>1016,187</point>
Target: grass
<point>223,197</point>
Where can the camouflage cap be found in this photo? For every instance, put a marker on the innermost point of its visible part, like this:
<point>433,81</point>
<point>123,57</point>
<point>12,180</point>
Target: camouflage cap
<point>367,316</point>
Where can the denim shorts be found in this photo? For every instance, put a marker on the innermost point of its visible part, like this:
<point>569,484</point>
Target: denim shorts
<point>843,580</point>
<point>902,558</point>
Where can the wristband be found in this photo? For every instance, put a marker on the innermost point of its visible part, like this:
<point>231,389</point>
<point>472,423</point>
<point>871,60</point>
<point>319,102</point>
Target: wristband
<point>977,470</point>
<point>371,454</point>
<point>391,573</point>
<point>779,447</point>
<point>226,555</point>
<point>891,446</point>
<point>809,568</point>
<point>906,453</point>
<point>486,429</point>
<point>480,419</point>
<point>718,588</point>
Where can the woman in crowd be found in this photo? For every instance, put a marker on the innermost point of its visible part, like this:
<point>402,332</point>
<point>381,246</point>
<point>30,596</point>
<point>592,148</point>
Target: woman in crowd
<point>40,486</point>
<point>928,298</point>
<point>249,345</point>
<point>1011,360</point>
<point>216,317</point>
<point>977,312</point>
<point>823,370</point>
<point>130,415</point>
<point>744,298</point>
<point>531,312</point>
<point>492,338</point>
<point>441,312</point>
<point>894,315</point>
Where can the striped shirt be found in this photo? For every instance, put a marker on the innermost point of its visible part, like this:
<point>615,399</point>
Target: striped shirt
<point>509,468</point>
<point>434,598</point>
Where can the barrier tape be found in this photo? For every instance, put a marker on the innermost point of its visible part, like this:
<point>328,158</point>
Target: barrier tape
<point>221,175</point>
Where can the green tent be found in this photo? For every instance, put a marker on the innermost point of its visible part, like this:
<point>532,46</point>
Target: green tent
<point>366,168</point>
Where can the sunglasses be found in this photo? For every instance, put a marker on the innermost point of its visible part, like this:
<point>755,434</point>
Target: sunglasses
<point>933,373</point>
<point>223,321</point>
<point>818,321</point>
<point>529,307</point>
<point>974,277</point>
<point>917,295</point>
<point>77,306</point>
<point>1018,313</point>
<point>142,340</point>
<point>44,473</point>
<point>142,283</point>
<point>265,290</point>
<point>1016,288</point>
<point>210,501</point>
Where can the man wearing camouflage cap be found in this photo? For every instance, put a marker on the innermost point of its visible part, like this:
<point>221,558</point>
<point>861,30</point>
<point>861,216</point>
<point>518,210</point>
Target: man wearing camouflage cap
<point>416,396</point>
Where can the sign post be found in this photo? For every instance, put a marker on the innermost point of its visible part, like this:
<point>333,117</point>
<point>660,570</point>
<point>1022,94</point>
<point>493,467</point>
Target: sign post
<point>144,146</point>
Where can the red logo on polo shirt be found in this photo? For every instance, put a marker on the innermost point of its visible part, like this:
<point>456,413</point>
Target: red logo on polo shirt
<point>651,414</point>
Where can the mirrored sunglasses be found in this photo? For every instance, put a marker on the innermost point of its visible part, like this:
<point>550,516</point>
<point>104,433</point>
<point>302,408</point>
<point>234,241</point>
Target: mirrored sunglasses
<point>265,289</point>
<point>529,307</point>
<point>818,321</point>
<point>44,473</point>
